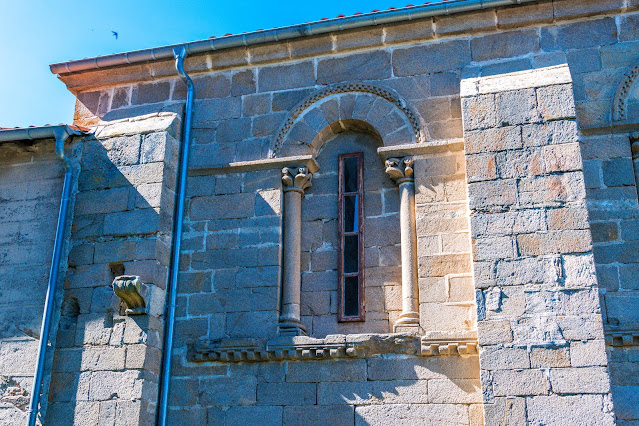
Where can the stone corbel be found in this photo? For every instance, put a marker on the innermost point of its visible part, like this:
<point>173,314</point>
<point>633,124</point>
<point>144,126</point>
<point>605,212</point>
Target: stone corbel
<point>127,288</point>
<point>295,180</point>
<point>401,171</point>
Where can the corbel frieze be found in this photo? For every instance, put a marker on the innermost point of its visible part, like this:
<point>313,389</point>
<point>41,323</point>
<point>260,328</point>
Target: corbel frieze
<point>622,338</point>
<point>331,347</point>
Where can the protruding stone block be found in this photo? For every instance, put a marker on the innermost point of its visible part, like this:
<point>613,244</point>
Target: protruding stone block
<point>128,288</point>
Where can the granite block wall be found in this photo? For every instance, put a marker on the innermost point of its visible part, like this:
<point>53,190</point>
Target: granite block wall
<point>378,390</point>
<point>537,297</point>
<point>106,363</point>
<point>547,168</point>
<point>31,178</point>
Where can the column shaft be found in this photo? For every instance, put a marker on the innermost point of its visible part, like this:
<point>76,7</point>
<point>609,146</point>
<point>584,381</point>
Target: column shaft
<point>401,171</point>
<point>410,290</point>
<point>294,181</point>
<point>291,290</point>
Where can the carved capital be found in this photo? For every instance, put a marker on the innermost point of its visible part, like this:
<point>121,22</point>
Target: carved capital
<point>296,179</point>
<point>400,169</point>
<point>634,144</point>
<point>127,288</point>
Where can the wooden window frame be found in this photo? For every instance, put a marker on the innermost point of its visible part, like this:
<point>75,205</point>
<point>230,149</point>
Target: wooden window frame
<point>341,234</point>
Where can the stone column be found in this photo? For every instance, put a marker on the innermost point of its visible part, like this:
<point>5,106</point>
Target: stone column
<point>634,141</point>
<point>401,171</point>
<point>295,180</point>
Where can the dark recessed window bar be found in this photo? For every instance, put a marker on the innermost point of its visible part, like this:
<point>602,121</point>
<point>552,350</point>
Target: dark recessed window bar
<point>350,268</point>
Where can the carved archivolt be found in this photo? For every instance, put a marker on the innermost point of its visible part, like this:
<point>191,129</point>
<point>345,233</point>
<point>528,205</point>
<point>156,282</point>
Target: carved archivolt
<point>619,111</point>
<point>380,92</point>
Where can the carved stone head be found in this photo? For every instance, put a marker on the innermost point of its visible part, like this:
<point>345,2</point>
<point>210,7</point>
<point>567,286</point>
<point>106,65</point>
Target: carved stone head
<point>127,288</point>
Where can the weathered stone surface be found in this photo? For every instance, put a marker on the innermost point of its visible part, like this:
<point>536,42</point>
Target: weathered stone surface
<point>319,415</point>
<point>286,394</point>
<point>580,380</point>
<point>228,391</point>
<point>551,410</point>
<point>446,391</point>
<point>550,357</point>
<point>286,77</point>
<point>425,414</point>
<point>430,58</point>
<point>245,415</point>
<point>520,382</point>
<point>150,93</point>
<point>366,66</point>
<point>504,45</point>
<point>337,371</point>
<point>504,358</point>
<point>389,392</point>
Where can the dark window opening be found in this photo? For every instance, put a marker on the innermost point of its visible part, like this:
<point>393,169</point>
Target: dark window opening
<point>351,237</point>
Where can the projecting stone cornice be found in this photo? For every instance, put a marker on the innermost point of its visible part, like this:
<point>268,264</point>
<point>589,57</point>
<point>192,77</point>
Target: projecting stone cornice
<point>307,161</point>
<point>332,346</point>
<point>622,337</point>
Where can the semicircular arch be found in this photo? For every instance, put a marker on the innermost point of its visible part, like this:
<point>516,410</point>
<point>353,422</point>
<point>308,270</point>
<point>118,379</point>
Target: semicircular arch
<point>624,90</point>
<point>342,107</point>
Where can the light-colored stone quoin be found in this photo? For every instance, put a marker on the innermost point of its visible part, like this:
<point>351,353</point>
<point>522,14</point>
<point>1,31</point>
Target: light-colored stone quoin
<point>401,171</point>
<point>295,180</point>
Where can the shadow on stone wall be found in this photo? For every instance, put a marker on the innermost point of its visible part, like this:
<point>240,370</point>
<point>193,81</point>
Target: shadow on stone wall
<point>377,390</point>
<point>613,211</point>
<point>106,363</point>
<point>31,179</point>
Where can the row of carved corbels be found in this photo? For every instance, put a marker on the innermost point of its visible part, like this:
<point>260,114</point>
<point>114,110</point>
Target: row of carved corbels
<point>295,180</point>
<point>622,337</point>
<point>332,346</point>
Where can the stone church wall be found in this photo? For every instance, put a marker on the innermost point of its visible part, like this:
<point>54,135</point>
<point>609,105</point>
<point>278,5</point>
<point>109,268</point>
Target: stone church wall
<point>106,363</point>
<point>533,179</point>
<point>31,178</point>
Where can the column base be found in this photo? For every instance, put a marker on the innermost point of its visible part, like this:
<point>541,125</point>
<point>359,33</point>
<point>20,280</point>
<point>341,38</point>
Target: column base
<point>407,323</point>
<point>407,328</point>
<point>291,329</point>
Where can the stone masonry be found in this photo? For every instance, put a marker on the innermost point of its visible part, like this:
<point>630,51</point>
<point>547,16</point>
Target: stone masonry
<point>500,228</point>
<point>106,362</point>
<point>537,297</point>
<point>30,187</point>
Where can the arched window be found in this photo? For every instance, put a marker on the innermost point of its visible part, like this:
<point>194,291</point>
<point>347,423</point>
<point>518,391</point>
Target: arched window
<point>351,263</point>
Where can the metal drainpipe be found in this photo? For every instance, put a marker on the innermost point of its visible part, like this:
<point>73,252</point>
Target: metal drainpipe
<point>61,136</point>
<point>178,217</point>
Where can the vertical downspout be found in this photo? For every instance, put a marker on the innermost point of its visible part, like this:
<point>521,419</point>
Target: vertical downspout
<point>61,136</point>
<point>176,241</point>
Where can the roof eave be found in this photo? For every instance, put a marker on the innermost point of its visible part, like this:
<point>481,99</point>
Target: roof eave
<point>282,33</point>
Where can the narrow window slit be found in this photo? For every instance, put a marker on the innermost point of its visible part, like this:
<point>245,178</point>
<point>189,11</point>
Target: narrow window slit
<point>351,237</point>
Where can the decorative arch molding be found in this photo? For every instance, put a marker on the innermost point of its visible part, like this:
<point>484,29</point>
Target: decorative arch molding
<point>619,108</point>
<point>347,106</point>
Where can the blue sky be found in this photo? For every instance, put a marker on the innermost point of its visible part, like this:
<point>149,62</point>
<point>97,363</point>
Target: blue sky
<point>36,33</point>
